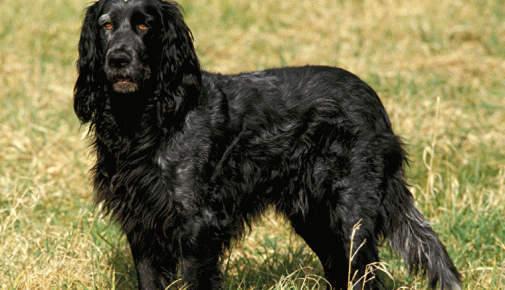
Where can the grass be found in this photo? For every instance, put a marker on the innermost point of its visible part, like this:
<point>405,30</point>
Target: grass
<point>438,66</point>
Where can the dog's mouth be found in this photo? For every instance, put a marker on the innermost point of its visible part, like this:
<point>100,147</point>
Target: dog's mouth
<point>124,85</point>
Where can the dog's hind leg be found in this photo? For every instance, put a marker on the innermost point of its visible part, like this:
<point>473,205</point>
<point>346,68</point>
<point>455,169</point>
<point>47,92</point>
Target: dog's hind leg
<point>332,246</point>
<point>328,249</point>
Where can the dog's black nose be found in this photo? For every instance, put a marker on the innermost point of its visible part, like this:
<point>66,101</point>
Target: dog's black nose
<point>119,59</point>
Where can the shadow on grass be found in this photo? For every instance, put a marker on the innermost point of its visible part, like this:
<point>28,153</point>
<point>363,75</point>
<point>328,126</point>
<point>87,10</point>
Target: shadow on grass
<point>273,267</point>
<point>265,267</point>
<point>280,268</point>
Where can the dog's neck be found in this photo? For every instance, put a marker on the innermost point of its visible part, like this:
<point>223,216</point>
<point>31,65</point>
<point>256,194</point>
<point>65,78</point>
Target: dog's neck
<point>128,110</point>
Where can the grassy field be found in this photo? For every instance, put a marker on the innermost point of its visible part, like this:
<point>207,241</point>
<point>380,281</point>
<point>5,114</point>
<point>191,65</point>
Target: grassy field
<point>438,65</point>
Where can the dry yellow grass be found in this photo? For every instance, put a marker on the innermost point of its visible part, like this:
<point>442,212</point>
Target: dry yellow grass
<point>439,67</point>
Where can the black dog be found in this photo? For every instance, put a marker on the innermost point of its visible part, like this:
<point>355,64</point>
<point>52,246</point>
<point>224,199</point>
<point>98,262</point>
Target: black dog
<point>187,159</point>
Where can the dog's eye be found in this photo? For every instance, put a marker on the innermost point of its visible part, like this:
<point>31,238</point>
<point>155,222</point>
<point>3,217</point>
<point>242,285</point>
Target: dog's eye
<point>142,27</point>
<point>108,26</point>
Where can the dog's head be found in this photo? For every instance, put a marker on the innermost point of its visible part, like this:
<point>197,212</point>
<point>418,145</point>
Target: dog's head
<point>125,32</point>
<point>138,49</point>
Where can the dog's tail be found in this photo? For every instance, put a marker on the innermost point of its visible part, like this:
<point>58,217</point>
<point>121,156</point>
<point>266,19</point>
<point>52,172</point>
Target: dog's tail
<point>411,236</point>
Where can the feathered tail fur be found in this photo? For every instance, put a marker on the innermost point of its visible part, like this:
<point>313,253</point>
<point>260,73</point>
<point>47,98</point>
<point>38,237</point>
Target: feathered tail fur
<point>414,239</point>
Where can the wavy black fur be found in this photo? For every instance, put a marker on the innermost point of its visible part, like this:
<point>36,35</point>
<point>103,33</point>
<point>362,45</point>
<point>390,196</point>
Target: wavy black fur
<point>186,159</point>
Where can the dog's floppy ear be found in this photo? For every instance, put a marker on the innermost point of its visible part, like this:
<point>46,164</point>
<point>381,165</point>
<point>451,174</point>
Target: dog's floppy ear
<point>179,76</point>
<point>87,87</point>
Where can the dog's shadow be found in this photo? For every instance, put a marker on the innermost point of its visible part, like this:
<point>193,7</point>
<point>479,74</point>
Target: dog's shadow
<point>262,267</point>
<point>262,260</point>
<point>272,263</point>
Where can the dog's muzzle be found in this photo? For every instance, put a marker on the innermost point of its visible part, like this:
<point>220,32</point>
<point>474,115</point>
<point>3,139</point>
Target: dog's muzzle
<point>124,70</point>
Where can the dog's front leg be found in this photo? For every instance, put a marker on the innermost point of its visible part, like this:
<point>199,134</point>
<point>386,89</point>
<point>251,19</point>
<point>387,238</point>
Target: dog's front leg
<point>201,272</point>
<point>201,253</point>
<point>153,264</point>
